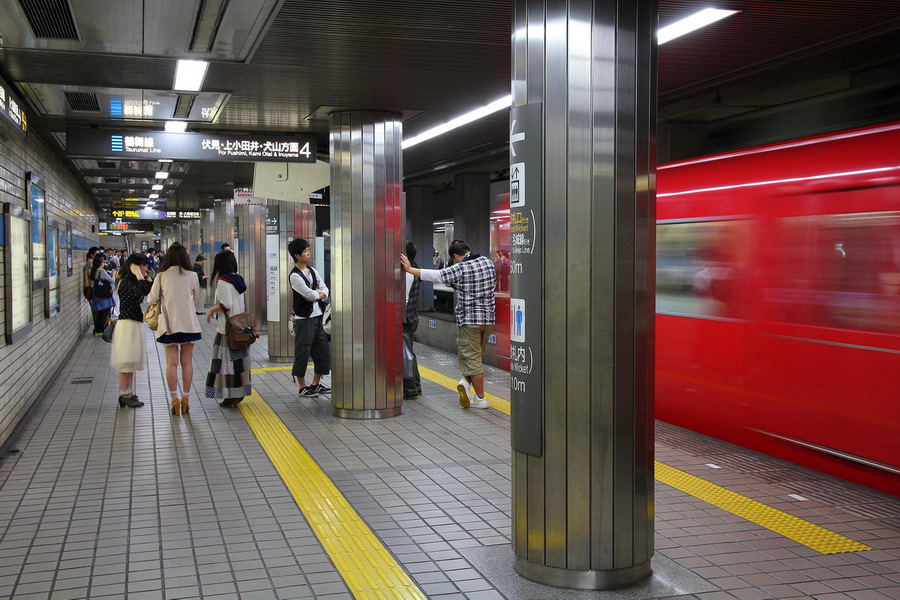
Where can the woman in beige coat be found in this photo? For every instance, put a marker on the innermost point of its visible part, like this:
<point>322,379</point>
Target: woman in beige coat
<point>177,289</point>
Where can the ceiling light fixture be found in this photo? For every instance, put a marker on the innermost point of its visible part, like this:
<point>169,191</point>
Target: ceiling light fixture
<point>496,105</point>
<point>157,186</point>
<point>189,75</point>
<point>668,33</point>
<point>691,23</point>
<point>154,196</point>
<point>165,160</point>
<point>176,126</point>
<point>162,175</point>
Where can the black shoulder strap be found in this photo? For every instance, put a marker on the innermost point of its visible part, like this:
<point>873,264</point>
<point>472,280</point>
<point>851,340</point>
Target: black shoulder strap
<point>315,282</point>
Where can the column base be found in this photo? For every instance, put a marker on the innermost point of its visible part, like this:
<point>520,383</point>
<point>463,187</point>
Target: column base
<point>377,413</point>
<point>583,580</point>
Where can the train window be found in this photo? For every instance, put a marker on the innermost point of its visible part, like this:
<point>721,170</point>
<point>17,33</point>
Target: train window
<point>700,266</point>
<point>840,271</point>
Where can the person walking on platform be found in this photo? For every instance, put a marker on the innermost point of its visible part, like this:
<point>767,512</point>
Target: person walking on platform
<point>128,354</point>
<point>309,292</point>
<point>102,298</point>
<point>201,276</point>
<point>177,290</point>
<point>472,276</point>
<point>229,372</point>
<point>412,383</point>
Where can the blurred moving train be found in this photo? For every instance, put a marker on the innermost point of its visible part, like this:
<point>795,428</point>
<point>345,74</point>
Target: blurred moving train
<point>778,301</point>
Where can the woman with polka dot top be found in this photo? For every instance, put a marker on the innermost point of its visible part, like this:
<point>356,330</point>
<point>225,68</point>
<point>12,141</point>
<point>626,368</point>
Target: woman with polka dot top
<point>128,354</point>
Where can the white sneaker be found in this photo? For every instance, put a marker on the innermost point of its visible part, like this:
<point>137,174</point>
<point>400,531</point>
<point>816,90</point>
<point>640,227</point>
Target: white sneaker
<point>466,393</point>
<point>476,403</point>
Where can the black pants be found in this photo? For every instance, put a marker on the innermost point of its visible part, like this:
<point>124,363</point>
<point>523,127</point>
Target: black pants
<point>310,340</point>
<point>100,319</point>
<point>411,385</point>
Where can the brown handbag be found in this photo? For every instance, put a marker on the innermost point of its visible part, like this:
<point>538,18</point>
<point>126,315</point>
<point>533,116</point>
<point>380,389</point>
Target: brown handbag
<point>240,330</point>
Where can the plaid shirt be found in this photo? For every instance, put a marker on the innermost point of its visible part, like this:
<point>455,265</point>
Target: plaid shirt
<point>473,279</point>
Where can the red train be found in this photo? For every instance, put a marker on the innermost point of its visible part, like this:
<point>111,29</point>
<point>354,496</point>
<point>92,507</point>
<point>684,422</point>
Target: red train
<point>778,301</point>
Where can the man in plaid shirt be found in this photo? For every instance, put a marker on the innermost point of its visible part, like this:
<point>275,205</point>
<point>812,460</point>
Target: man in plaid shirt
<point>473,277</point>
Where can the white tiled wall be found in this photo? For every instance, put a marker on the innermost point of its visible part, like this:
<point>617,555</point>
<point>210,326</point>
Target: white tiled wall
<point>29,364</point>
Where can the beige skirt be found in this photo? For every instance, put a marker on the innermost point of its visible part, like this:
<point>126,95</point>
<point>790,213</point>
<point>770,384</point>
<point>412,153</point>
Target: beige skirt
<point>128,351</point>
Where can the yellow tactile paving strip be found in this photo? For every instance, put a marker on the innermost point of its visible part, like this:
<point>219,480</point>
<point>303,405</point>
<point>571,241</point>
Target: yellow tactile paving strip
<point>441,379</point>
<point>801,531</point>
<point>794,528</point>
<point>368,569</point>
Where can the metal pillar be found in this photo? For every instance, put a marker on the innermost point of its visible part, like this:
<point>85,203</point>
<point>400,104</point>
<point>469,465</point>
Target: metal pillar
<point>366,283</point>
<point>295,220</point>
<point>251,256</point>
<point>207,238</point>
<point>583,123</point>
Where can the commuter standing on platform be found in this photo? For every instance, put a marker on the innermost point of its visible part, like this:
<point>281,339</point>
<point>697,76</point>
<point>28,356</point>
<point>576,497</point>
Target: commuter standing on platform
<point>201,276</point>
<point>86,283</point>
<point>229,372</point>
<point>102,299</point>
<point>177,290</point>
<point>128,354</point>
<point>472,276</point>
<point>412,383</point>
<point>309,291</point>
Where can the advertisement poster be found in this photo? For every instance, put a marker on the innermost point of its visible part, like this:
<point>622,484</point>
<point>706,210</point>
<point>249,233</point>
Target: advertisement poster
<point>19,273</point>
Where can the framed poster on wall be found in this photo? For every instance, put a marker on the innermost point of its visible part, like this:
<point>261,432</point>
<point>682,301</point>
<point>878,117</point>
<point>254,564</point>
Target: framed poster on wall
<point>34,196</point>
<point>65,247</point>
<point>17,272</point>
<point>51,294</point>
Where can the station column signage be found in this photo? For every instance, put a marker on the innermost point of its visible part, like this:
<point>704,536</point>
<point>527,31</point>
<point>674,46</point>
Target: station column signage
<point>526,278</point>
<point>153,145</point>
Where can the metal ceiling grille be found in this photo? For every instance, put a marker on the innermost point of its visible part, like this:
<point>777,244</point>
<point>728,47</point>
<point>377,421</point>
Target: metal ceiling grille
<point>183,106</point>
<point>50,19</point>
<point>106,164</point>
<point>209,17</point>
<point>83,101</point>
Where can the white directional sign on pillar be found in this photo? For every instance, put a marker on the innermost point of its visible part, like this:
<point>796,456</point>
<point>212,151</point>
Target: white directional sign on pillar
<point>526,279</point>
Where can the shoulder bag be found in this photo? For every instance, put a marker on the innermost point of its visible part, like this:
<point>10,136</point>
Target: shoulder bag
<point>151,317</point>
<point>103,289</point>
<point>109,330</point>
<point>240,330</point>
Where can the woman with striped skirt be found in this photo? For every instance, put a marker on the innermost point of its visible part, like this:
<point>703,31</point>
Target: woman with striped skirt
<point>229,371</point>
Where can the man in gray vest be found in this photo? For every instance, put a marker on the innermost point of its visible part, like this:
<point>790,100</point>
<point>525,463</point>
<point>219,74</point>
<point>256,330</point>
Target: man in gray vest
<point>412,383</point>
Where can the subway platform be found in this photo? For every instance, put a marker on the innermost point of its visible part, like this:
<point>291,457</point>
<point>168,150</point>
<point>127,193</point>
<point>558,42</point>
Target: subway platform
<point>278,499</point>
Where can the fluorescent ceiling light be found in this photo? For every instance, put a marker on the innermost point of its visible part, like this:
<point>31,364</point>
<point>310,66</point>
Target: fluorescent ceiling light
<point>693,22</point>
<point>176,126</point>
<point>165,160</point>
<point>497,105</point>
<point>162,175</point>
<point>157,186</point>
<point>154,196</point>
<point>189,75</point>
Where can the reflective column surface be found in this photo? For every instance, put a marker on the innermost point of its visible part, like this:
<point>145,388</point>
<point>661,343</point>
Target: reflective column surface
<point>583,498</point>
<point>366,283</point>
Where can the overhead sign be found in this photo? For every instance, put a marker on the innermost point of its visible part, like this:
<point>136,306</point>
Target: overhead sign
<point>128,226</point>
<point>153,145</point>
<point>149,213</point>
<point>11,108</point>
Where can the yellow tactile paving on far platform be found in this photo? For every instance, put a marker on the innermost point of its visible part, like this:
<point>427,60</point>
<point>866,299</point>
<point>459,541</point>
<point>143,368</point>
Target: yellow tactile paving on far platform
<point>794,528</point>
<point>368,569</point>
<point>801,531</point>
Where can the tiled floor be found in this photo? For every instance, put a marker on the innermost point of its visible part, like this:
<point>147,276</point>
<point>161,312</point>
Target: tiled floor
<point>102,502</point>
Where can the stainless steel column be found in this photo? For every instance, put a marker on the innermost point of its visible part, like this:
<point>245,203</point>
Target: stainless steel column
<point>251,256</point>
<point>584,91</point>
<point>295,220</point>
<point>207,238</point>
<point>366,283</point>
<point>223,219</point>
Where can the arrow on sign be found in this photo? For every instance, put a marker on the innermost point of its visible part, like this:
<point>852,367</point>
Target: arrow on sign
<point>515,137</point>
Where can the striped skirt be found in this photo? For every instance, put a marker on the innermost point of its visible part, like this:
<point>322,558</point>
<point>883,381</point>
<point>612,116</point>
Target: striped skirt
<point>229,372</point>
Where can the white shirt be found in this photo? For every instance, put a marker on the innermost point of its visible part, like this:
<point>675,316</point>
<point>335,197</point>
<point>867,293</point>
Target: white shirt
<point>299,286</point>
